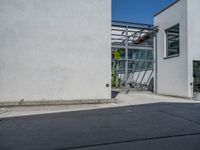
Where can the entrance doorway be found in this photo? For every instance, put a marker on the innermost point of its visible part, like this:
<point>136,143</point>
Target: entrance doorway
<point>196,80</point>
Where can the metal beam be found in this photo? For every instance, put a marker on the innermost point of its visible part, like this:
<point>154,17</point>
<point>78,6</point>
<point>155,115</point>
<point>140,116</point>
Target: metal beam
<point>133,47</point>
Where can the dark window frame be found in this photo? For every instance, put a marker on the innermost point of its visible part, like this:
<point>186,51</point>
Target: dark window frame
<point>167,34</point>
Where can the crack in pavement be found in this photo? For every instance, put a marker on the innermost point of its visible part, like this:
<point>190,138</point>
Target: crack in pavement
<point>180,117</point>
<point>129,141</point>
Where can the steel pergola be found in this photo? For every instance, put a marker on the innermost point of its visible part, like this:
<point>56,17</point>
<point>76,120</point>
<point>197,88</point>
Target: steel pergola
<point>132,36</point>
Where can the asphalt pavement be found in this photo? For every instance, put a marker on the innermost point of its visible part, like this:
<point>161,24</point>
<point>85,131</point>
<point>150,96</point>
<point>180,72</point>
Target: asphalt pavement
<point>157,126</point>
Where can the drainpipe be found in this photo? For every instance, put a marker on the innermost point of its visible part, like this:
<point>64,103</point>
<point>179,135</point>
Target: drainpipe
<point>156,60</point>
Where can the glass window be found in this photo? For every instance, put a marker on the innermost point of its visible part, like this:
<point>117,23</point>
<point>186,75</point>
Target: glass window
<point>140,54</point>
<point>149,55</point>
<point>131,54</point>
<point>121,65</point>
<point>196,69</point>
<point>140,65</point>
<point>196,75</point>
<point>122,53</point>
<point>131,65</point>
<point>172,36</point>
<point>149,65</point>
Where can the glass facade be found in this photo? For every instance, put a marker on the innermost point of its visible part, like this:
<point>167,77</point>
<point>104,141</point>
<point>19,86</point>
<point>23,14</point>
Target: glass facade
<point>138,60</point>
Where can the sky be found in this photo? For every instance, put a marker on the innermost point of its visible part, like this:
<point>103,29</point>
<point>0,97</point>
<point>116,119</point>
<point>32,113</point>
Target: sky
<point>138,11</point>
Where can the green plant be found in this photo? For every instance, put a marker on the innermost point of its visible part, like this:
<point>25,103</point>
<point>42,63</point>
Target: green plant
<point>116,55</point>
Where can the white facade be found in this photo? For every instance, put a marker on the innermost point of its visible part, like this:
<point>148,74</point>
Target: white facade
<point>55,50</point>
<point>175,75</point>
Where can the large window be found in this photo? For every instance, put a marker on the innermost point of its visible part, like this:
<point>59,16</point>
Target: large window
<point>138,60</point>
<point>173,45</point>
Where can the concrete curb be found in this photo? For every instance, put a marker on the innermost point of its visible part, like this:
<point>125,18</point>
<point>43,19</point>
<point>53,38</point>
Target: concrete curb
<point>56,102</point>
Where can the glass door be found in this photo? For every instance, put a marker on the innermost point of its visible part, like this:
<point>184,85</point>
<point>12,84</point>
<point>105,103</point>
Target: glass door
<point>196,76</point>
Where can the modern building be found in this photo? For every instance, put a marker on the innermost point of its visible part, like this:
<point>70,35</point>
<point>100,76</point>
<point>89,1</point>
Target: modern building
<point>60,51</point>
<point>55,50</point>
<point>177,49</point>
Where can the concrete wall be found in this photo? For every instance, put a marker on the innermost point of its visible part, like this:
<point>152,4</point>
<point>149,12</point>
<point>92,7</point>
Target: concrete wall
<point>173,72</point>
<point>193,37</point>
<point>55,50</point>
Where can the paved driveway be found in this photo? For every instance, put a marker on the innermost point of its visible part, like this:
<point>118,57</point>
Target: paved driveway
<point>158,126</point>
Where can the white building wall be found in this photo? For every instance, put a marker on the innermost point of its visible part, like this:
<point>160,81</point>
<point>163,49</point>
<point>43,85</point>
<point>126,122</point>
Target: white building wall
<point>55,50</point>
<point>172,77</point>
<point>193,37</point>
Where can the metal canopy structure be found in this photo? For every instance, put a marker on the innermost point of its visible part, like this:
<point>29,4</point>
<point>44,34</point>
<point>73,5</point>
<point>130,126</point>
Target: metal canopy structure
<point>135,41</point>
<point>134,33</point>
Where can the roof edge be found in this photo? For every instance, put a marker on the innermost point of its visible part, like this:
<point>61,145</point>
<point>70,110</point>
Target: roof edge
<point>130,23</point>
<point>166,8</point>
<point>116,23</point>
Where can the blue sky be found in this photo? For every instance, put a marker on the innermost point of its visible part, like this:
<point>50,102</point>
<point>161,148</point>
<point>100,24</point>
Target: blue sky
<point>139,11</point>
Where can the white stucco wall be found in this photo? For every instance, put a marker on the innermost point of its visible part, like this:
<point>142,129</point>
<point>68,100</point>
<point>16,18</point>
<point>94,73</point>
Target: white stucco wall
<point>172,77</point>
<point>193,37</point>
<point>55,50</point>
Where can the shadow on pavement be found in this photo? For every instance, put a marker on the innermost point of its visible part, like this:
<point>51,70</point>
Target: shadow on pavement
<point>114,94</point>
